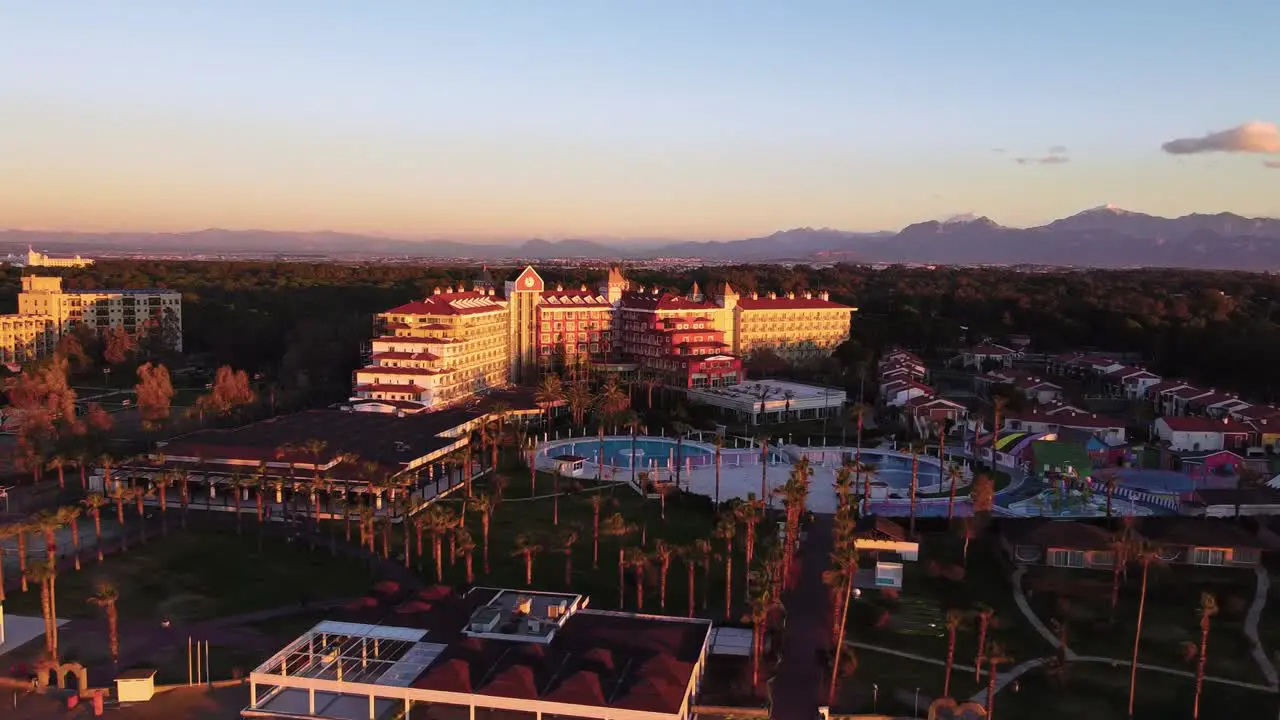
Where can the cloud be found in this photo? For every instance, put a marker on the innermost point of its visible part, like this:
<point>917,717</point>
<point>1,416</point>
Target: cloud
<point>997,150</point>
<point>1044,160</point>
<point>1251,137</point>
<point>1273,164</point>
<point>1057,149</point>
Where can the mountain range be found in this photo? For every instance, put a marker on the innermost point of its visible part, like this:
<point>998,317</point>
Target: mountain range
<point>1105,236</point>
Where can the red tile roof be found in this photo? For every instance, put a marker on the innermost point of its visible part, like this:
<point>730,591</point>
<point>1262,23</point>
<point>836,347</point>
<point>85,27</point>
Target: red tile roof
<point>990,350</point>
<point>1058,534</point>
<point>664,301</point>
<point>1204,424</point>
<point>456,303</point>
<point>1213,398</point>
<point>1187,393</point>
<point>1258,412</point>
<point>1165,386</point>
<point>572,299</point>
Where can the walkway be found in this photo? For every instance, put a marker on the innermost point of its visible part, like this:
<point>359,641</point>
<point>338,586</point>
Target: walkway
<point>801,670</point>
<point>1261,593</point>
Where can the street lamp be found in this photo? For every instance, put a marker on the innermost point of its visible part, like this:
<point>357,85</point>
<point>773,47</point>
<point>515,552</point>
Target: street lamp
<point>875,696</point>
<point>915,707</point>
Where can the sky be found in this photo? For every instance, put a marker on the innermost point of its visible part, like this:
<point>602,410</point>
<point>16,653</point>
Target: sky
<point>620,119</point>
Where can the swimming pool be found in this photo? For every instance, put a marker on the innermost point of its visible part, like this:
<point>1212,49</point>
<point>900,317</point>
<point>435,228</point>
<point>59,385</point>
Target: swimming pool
<point>654,452</point>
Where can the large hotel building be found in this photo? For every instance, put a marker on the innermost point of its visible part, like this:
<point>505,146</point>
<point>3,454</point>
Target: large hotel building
<point>46,310</point>
<point>434,352</point>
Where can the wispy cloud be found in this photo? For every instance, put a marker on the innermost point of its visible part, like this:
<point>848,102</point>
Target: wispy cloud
<point>1273,164</point>
<point>1043,160</point>
<point>1057,149</point>
<point>1252,137</point>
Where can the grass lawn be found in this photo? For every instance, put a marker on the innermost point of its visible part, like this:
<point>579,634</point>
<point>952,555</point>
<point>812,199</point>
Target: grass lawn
<point>914,620</point>
<point>1171,625</point>
<point>1101,692</point>
<point>887,683</point>
<point>204,573</point>
<point>688,518</point>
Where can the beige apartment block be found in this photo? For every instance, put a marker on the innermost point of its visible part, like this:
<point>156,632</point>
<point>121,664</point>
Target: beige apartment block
<point>102,309</point>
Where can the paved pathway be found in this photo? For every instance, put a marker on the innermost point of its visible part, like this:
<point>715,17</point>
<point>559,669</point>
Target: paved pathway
<point>1261,593</point>
<point>1020,598</point>
<point>801,671</point>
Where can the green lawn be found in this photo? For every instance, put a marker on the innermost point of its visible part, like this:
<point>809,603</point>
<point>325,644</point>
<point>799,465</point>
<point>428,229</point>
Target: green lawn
<point>1171,630</point>
<point>201,574</point>
<point>688,518</point>
<point>914,620</point>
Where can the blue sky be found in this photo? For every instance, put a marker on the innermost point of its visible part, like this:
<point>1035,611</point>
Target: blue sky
<point>623,119</point>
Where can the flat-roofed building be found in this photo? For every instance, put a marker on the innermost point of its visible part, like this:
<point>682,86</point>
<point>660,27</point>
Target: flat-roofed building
<point>493,654</point>
<point>24,338</point>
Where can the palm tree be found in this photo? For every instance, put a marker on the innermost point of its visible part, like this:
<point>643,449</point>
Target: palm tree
<point>82,458</point>
<point>105,596</point>
<point>764,466</point>
<point>139,494</point>
<point>638,560</point>
<point>1246,479</point>
<point>59,463</point>
<point>106,462</point>
<point>953,623</point>
<point>465,546</point>
<point>940,427</point>
<point>915,483</point>
<point>693,556</point>
<point>70,517</point>
<point>6,532</point>
<point>1109,482</point>
<point>1208,608</point>
<point>953,475</point>
<point>726,529</point>
<point>843,485</point>
<point>601,418</point>
<point>93,503</point>
<point>718,443</point>
<point>438,521</point>
<point>1145,554</point>
<point>845,559</point>
<point>482,505</point>
<point>998,409</point>
<point>616,526</point>
<point>633,423</point>
<point>527,547</point>
<point>46,574</point>
<point>163,481</point>
<point>565,540</point>
<point>662,554</point>
<point>763,602</point>
<point>679,429</point>
<point>47,523</point>
<point>749,513</point>
<point>597,500</point>
<point>548,393</point>
<point>984,622</point>
<point>995,657</point>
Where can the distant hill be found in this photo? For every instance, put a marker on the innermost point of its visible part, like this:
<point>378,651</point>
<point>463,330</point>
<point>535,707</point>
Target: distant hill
<point>1105,236</point>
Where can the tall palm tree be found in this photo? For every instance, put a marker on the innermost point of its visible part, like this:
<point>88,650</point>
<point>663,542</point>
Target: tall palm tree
<point>843,485</point>
<point>692,556</point>
<point>93,503</point>
<point>953,623</point>
<point>482,505</point>
<point>763,440</point>
<point>1208,608</point>
<point>996,657</point>
<point>984,615</point>
<point>120,495</point>
<point>638,560</point>
<point>601,418</point>
<point>718,443</point>
<point>70,517</point>
<point>764,601</point>
<point>139,494</point>
<point>48,523</point>
<point>633,423</point>
<point>726,529</point>
<point>163,481</point>
<point>793,494</point>
<point>549,392</point>
<point>749,513</point>
<point>679,429</point>
<point>953,476</point>
<point>82,458</point>
<point>527,548</point>
<point>105,596</point>
<point>439,521</point>
<point>565,541</point>
<point>59,463</point>
<point>845,559</point>
<point>915,483</point>
<point>940,427</point>
<point>597,501</point>
<point>1109,482</point>
<point>997,407</point>
<point>662,554</point>
<point>616,526</point>
<point>465,546</point>
<point>45,574</point>
<point>1146,555</point>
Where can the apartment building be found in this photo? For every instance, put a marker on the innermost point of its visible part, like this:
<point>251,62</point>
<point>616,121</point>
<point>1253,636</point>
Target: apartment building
<point>26,337</point>
<point>433,352</point>
<point>46,310</point>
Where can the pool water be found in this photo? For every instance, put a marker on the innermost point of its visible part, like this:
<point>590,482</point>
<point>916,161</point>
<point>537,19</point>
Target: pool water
<point>617,452</point>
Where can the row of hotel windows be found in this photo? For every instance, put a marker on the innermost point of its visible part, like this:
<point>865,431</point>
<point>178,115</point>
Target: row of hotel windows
<point>582,348</point>
<point>582,337</point>
<point>577,326</point>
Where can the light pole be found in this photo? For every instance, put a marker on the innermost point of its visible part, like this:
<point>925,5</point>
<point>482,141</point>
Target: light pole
<point>875,697</point>
<point>915,707</point>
